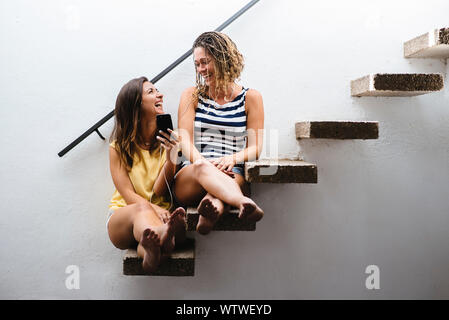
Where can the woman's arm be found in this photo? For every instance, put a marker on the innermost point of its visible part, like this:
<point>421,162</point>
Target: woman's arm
<point>186,118</point>
<point>184,137</point>
<point>121,179</point>
<point>254,127</point>
<point>170,144</point>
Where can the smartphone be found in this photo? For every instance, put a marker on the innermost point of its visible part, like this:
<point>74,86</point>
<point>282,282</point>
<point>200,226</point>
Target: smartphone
<point>164,122</point>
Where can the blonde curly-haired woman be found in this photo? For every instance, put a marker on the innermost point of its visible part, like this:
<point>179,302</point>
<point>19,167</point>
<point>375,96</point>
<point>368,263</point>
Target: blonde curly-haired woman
<point>220,124</point>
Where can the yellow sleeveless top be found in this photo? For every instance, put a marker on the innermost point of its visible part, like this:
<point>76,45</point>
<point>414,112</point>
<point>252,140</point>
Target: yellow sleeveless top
<point>143,174</point>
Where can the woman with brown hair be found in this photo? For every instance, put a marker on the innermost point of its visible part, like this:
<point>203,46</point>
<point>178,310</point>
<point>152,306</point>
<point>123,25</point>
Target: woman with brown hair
<point>221,124</point>
<point>142,165</point>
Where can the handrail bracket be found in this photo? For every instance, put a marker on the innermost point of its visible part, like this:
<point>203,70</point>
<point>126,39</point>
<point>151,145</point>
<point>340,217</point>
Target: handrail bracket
<point>98,132</point>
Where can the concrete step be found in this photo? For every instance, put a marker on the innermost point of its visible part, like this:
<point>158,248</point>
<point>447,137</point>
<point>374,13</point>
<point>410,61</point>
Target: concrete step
<point>280,171</point>
<point>337,130</point>
<point>227,222</point>
<point>394,85</point>
<point>180,263</point>
<point>433,44</point>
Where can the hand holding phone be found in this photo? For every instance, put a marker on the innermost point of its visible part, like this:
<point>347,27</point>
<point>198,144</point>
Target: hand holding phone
<point>164,122</point>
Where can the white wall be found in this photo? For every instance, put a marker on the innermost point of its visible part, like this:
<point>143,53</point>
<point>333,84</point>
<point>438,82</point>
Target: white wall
<point>382,202</point>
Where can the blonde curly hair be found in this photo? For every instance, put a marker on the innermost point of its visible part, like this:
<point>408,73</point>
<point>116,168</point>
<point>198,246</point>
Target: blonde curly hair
<point>228,62</point>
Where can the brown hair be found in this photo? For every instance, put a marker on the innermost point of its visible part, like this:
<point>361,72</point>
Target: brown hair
<point>126,132</point>
<point>228,61</point>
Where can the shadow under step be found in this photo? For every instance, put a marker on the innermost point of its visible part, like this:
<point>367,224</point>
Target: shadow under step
<point>181,262</point>
<point>433,44</point>
<point>396,85</point>
<point>337,130</point>
<point>281,171</point>
<point>227,222</point>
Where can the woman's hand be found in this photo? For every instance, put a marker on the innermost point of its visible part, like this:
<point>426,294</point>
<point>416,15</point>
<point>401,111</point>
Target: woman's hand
<point>171,143</point>
<point>225,164</point>
<point>163,214</point>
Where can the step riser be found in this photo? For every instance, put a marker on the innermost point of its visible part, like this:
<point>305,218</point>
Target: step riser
<point>434,44</point>
<point>180,264</point>
<point>397,85</point>
<point>337,130</point>
<point>227,222</point>
<point>281,171</point>
<point>133,267</point>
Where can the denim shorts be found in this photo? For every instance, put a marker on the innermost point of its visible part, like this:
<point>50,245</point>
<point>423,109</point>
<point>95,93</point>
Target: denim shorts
<point>236,169</point>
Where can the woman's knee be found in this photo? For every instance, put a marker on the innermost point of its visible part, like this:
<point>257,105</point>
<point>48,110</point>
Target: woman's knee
<point>200,167</point>
<point>143,207</point>
<point>120,229</point>
<point>187,188</point>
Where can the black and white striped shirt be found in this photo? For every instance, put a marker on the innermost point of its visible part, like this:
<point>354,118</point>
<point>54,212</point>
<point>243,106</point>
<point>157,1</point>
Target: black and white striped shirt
<point>220,130</point>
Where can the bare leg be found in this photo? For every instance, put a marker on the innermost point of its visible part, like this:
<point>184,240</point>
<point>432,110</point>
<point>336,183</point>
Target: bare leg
<point>210,205</point>
<point>139,222</point>
<point>173,225</point>
<point>195,180</point>
<point>179,221</point>
<point>210,210</point>
<point>149,243</point>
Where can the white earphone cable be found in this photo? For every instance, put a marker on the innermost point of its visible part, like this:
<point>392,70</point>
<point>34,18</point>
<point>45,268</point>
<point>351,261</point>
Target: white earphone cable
<point>166,182</point>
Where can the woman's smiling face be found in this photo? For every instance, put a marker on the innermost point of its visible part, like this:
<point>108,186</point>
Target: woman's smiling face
<point>152,99</point>
<point>204,64</point>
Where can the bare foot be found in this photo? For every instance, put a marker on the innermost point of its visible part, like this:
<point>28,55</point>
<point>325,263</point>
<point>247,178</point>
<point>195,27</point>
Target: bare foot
<point>151,243</point>
<point>167,231</point>
<point>204,225</point>
<point>180,226</point>
<point>250,211</point>
<point>210,209</point>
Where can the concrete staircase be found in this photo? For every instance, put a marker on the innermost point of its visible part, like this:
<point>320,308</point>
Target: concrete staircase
<point>227,222</point>
<point>430,45</point>
<point>434,44</point>
<point>396,85</point>
<point>180,263</point>
<point>337,130</point>
<point>281,171</point>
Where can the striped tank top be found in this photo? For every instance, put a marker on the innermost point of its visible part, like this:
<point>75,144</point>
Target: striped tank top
<point>220,130</point>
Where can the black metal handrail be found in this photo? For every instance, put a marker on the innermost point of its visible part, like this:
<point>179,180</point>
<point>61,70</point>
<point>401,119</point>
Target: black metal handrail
<point>154,80</point>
